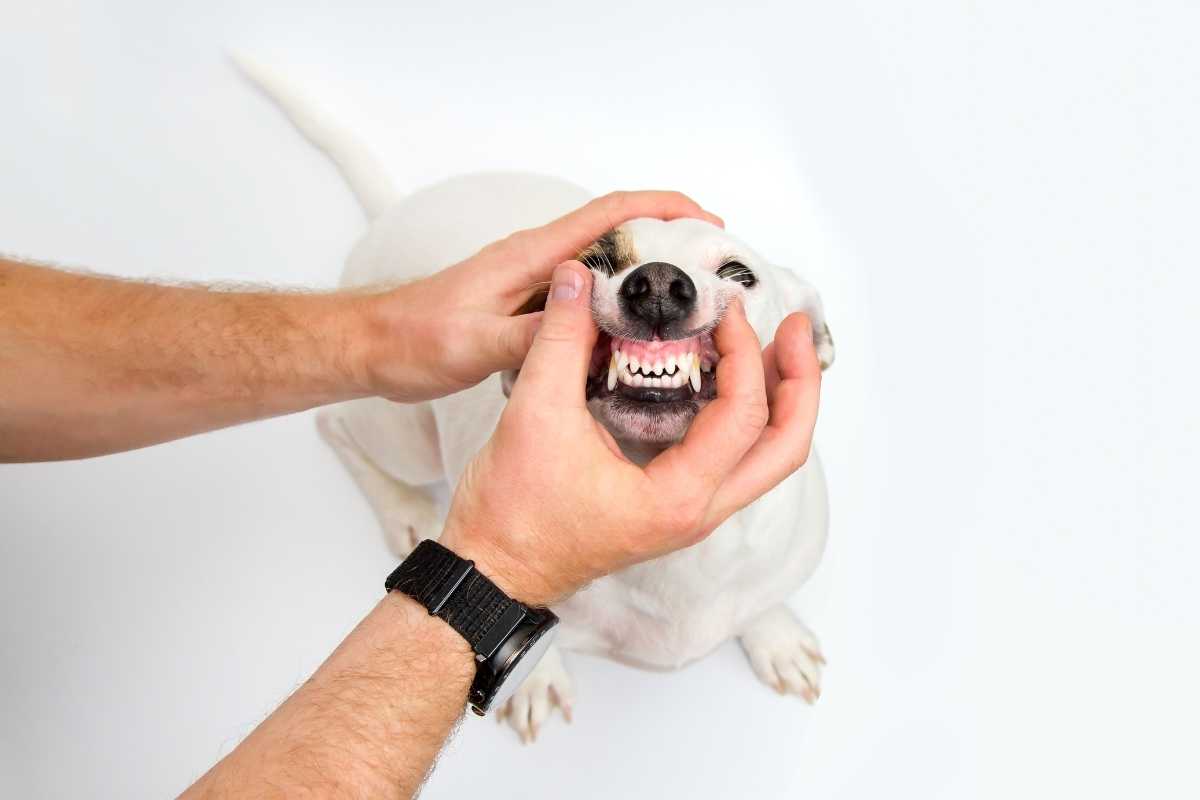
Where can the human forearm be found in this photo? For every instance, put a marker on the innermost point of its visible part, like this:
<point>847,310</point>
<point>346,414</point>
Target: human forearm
<point>388,697</point>
<point>90,365</point>
<point>369,723</point>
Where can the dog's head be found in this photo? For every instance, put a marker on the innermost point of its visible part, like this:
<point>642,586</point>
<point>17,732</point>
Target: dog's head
<point>659,290</point>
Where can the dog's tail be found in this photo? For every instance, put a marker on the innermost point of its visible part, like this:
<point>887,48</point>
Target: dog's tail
<point>366,177</point>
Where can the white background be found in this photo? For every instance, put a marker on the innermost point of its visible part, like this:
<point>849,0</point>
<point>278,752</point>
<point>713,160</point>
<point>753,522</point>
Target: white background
<point>999,202</point>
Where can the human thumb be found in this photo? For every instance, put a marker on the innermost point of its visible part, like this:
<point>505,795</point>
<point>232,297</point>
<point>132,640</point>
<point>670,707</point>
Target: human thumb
<point>556,368</point>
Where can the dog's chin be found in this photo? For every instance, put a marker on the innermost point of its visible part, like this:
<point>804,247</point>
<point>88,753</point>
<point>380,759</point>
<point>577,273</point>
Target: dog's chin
<point>658,423</point>
<point>650,407</point>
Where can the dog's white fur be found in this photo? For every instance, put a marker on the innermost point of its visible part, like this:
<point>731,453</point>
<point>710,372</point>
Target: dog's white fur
<point>660,614</point>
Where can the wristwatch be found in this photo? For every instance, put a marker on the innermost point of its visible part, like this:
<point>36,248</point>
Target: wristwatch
<point>508,638</point>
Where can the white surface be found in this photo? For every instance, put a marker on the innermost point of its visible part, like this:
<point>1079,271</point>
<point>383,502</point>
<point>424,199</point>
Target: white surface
<point>998,201</point>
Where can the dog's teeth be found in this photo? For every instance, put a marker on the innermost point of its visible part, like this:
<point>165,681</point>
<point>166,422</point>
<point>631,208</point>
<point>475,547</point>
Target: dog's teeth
<point>684,363</point>
<point>612,372</point>
<point>658,367</point>
<point>633,364</point>
<point>670,365</point>
<point>638,381</point>
<point>622,360</point>
<point>682,377</point>
<point>655,383</point>
<point>707,366</point>
<point>695,377</point>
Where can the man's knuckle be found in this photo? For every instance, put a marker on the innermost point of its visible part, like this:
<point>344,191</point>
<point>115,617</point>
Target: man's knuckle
<point>801,455</point>
<point>681,519</point>
<point>617,201</point>
<point>512,246</point>
<point>493,249</point>
<point>508,342</point>
<point>441,348</point>
<point>519,241</point>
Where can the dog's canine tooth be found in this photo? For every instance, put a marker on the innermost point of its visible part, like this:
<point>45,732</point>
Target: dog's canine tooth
<point>612,372</point>
<point>695,377</point>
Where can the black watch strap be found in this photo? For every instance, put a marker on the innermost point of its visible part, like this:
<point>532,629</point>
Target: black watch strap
<point>451,588</point>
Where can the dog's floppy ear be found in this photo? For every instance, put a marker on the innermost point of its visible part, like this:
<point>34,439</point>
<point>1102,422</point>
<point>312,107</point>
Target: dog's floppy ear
<point>800,295</point>
<point>535,303</point>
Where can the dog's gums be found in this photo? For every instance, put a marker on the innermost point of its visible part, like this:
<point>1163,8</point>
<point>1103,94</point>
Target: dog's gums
<point>658,364</point>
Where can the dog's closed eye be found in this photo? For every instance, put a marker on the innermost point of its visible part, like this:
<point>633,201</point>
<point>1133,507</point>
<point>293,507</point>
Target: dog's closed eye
<point>737,271</point>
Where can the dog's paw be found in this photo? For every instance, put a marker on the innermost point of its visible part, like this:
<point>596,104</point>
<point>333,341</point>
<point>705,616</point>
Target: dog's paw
<point>784,653</point>
<point>549,685</point>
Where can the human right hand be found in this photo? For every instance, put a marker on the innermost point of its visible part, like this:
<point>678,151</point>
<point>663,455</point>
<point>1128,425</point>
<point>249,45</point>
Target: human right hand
<point>550,503</point>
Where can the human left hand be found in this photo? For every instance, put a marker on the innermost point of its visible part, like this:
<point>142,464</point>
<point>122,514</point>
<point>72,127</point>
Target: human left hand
<point>449,331</point>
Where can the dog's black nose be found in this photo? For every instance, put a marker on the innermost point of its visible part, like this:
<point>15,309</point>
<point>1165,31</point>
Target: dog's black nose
<point>658,294</point>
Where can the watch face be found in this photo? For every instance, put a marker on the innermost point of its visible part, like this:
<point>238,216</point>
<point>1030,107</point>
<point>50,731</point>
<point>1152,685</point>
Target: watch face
<point>522,664</point>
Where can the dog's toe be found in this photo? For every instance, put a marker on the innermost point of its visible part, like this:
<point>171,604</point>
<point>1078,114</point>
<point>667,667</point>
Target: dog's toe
<point>784,654</point>
<point>547,687</point>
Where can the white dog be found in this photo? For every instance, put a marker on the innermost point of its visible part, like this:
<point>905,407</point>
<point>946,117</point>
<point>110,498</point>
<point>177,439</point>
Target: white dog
<point>660,288</point>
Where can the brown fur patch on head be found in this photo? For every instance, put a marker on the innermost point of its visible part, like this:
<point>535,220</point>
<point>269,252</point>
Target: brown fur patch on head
<point>610,254</point>
<point>536,301</point>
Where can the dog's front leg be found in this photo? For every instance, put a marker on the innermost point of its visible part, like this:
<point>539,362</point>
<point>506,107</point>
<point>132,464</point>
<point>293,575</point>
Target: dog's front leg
<point>406,513</point>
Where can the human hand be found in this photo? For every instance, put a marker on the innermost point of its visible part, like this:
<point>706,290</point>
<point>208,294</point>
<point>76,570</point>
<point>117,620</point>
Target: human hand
<point>550,503</point>
<point>447,332</point>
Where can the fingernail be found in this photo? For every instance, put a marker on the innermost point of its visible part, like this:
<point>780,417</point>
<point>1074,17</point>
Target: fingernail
<point>565,284</point>
<point>807,324</point>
